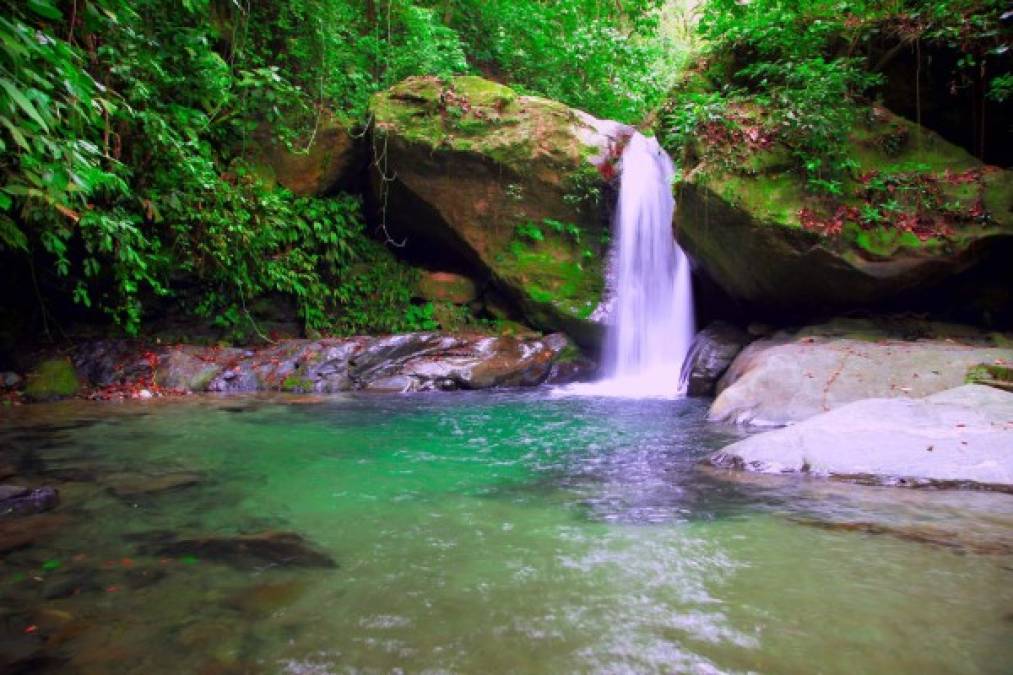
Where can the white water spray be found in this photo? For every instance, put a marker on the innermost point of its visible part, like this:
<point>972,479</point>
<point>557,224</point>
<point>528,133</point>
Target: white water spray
<point>652,324</point>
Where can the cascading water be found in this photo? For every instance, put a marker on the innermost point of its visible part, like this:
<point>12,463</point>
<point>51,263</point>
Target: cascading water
<point>652,326</point>
<point>652,323</point>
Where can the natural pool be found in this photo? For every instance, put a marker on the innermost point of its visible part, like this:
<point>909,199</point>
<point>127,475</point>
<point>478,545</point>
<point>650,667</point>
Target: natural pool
<point>482,533</point>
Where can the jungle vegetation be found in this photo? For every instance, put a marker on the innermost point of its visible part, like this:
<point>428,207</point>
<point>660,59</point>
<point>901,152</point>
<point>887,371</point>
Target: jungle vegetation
<point>125,124</point>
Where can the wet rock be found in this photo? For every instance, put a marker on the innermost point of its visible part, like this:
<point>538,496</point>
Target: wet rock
<point>136,485</point>
<point>408,362</point>
<point>239,378</point>
<point>23,502</point>
<point>793,376</point>
<point>52,380</point>
<point>713,350</point>
<point>107,362</point>
<point>398,384</point>
<point>489,362</point>
<point>383,356</point>
<point>578,369</point>
<point>251,551</point>
<point>961,437</point>
<point>186,368</point>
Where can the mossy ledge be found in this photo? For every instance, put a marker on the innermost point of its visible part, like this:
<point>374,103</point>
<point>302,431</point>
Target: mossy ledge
<point>751,224</point>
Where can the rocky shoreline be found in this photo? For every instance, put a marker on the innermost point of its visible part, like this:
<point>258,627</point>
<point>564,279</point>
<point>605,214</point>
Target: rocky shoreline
<point>897,403</point>
<point>409,362</point>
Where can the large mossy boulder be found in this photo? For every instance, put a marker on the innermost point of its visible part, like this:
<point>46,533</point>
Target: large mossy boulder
<point>51,380</point>
<point>916,211</point>
<point>511,185</point>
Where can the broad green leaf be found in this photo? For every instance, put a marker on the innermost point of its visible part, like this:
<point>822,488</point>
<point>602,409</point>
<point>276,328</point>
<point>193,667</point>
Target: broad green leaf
<point>23,102</point>
<point>45,9</point>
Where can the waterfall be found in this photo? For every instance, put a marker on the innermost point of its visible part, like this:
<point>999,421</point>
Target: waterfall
<point>652,324</point>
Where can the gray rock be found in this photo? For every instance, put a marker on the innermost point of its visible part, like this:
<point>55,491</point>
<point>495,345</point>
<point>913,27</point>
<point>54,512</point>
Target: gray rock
<point>383,356</point>
<point>713,350</point>
<point>186,368</point>
<point>393,384</point>
<point>790,377</point>
<point>409,362</point>
<point>960,436</point>
<point>9,379</point>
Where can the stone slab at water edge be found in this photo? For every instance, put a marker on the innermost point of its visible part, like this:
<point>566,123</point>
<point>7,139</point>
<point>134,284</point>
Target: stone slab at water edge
<point>792,376</point>
<point>408,362</point>
<point>959,437</point>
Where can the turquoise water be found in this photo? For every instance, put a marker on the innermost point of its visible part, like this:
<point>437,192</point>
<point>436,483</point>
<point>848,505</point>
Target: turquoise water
<point>485,533</point>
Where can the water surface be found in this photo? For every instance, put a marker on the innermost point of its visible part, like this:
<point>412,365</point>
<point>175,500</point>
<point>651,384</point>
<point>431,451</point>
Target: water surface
<point>488,532</point>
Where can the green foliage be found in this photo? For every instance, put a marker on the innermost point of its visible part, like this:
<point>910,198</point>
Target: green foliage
<point>123,137</point>
<point>611,59</point>
<point>809,67</point>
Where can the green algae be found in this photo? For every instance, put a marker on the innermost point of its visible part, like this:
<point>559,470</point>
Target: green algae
<point>52,379</point>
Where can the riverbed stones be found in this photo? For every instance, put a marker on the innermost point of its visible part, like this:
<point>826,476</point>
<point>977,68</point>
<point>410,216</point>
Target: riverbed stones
<point>186,368</point>
<point>20,501</point>
<point>16,533</point>
<point>407,362</point>
<point>794,375</point>
<point>130,485</point>
<point>958,437</point>
<point>249,551</point>
<point>712,351</point>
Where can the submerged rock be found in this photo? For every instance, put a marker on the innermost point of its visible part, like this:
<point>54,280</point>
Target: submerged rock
<point>713,350</point>
<point>20,501</point>
<point>792,376</point>
<point>507,184</point>
<point>16,533</point>
<point>129,485</point>
<point>959,437</point>
<point>249,551</point>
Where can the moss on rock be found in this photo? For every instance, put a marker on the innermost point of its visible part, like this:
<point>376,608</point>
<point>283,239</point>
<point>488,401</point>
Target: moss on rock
<point>471,161</point>
<point>916,210</point>
<point>52,380</point>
